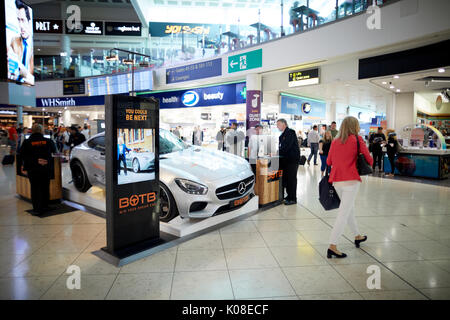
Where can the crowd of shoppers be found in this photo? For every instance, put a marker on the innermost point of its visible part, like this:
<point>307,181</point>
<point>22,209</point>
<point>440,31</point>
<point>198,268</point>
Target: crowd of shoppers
<point>337,150</point>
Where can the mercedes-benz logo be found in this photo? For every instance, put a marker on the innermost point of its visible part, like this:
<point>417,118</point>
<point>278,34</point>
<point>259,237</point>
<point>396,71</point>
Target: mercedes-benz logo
<point>241,188</point>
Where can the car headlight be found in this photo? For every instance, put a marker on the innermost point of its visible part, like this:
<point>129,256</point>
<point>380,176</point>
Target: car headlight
<point>191,187</point>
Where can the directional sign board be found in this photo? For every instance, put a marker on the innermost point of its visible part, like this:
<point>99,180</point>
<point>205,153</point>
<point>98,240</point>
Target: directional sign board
<point>245,61</point>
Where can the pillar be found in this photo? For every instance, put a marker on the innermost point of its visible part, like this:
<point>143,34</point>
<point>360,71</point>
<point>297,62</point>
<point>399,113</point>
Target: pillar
<point>19,113</point>
<point>404,110</point>
<point>331,112</point>
<point>67,118</point>
<point>390,112</point>
<point>66,49</point>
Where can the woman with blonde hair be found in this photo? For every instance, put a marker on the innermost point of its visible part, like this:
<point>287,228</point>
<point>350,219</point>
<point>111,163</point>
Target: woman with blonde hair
<point>346,180</point>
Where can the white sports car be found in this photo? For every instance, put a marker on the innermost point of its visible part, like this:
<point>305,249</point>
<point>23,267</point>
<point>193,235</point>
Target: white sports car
<point>195,182</point>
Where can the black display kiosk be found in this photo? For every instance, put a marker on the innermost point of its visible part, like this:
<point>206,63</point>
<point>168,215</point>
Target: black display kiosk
<point>132,198</point>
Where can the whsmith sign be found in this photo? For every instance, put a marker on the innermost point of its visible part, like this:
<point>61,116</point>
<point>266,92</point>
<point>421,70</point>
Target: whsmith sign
<point>70,101</point>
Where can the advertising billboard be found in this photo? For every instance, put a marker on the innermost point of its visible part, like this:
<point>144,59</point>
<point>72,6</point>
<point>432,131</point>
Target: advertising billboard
<point>132,174</point>
<point>18,37</point>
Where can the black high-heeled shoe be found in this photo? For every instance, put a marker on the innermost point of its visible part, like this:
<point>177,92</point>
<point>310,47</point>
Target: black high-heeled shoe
<point>357,242</point>
<point>331,253</point>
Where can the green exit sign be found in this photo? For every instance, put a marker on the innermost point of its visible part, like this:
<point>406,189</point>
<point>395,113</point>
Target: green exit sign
<point>245,61</point>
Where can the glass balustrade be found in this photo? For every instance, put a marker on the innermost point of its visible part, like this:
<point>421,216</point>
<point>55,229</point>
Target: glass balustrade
<point>185,43</point>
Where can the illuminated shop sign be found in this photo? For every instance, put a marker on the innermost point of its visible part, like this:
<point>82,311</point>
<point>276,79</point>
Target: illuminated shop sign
<point>163,29</point>
<point>70,101</point>
<point>301,106</point>
<point>303,78</point>
<point>48,26</point>
<point>123,29</point>
<point>227,94</point>
<point>91,28</point>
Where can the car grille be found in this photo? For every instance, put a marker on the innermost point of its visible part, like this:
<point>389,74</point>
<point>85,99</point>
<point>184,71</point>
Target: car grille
<point>231,191</point>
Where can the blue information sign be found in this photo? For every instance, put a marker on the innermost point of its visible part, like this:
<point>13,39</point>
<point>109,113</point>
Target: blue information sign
<point>201,70</point>
<point>310,108</point>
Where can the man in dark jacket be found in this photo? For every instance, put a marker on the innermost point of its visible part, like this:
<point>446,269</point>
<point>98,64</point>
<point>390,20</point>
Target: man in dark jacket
<point>289,157</point>
<point>377,141</point>
<point>36,154</point>
<point>76,137</point>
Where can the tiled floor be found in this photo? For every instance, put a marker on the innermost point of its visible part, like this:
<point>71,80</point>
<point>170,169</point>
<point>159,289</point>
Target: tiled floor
<point>276,254</point>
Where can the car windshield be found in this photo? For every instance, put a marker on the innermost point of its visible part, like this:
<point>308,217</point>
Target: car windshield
<point>169,143</point>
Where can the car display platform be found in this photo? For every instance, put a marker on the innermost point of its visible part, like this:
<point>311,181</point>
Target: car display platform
<point>94,198</point>
<point>183,227</point>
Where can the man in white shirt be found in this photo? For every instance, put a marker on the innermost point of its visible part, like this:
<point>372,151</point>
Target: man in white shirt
<point>234,139</point>
<point>253,147</point>
<point>313,143</point>
<point>85,132</point>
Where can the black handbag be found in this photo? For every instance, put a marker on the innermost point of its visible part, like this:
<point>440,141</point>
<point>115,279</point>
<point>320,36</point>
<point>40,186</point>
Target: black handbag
<point>328,196</point>
<point>361,164</point>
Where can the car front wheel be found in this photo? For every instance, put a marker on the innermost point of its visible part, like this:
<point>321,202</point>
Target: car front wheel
<point>79,177</point>
<point>168,207</point>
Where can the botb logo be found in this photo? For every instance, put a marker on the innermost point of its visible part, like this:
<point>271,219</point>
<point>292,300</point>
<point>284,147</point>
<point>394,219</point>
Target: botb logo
<point>274,175</point>
<point>137,200</point>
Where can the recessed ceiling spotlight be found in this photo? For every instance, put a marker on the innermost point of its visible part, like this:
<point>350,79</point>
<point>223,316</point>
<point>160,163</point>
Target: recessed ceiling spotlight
<point>384,82</point>
<point>398,90</point>
<point>441,70</point>
<point>391,87</point>
<point>396,77</point>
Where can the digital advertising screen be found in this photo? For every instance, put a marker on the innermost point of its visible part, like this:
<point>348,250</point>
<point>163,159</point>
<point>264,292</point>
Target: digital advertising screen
<point>132,173</point>
<point>18,18</point>
<point>135,155</point>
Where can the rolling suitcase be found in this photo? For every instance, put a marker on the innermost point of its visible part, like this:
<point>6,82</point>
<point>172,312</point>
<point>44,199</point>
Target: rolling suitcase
<point>8,159</point>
